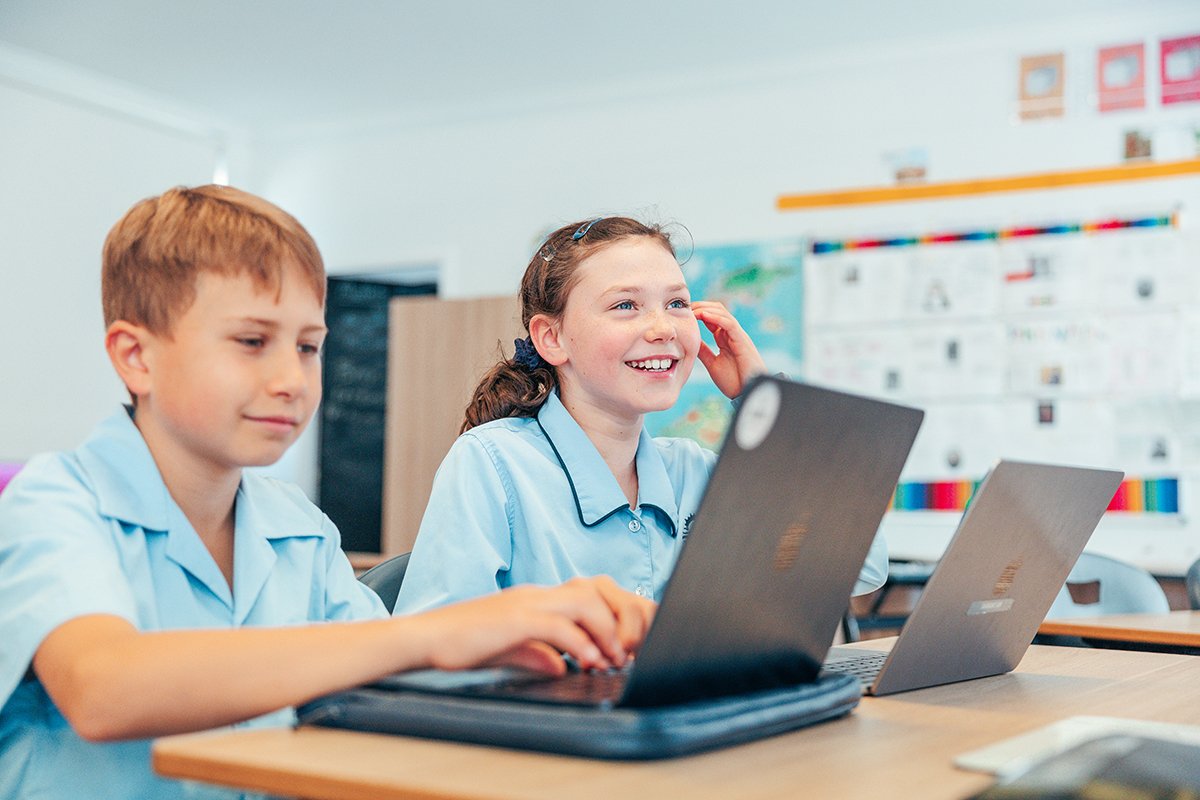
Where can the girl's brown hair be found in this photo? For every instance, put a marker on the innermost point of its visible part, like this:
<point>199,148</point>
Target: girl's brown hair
<point>518,386</point>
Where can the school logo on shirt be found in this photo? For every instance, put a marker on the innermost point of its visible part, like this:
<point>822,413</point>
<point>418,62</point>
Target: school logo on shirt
<point>687,527</point>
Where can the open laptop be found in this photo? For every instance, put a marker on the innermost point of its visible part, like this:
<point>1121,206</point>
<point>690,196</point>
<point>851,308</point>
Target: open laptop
<point>735,651</point>
<point>1015,544</point>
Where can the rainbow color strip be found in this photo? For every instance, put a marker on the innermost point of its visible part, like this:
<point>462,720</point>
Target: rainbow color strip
<point>1147,496</point>
<point>933,496</point>
<point>1136,495</point>
<point>824,247</point>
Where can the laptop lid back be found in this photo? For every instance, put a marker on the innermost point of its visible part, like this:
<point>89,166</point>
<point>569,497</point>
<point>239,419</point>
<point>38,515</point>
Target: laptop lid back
<point>803,480</point>
<point>1015,544</point>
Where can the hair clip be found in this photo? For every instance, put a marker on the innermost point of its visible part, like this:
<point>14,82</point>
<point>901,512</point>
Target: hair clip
<point>584,228</point>
<point>526,354</point>
<point>547,252</point>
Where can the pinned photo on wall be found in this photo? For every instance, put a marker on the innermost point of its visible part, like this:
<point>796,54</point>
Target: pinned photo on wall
<point>1180,63</point>
<point>1040,91</point>
<point>908,165</point>
<point>1121,77</point>
<point>1138,145</point>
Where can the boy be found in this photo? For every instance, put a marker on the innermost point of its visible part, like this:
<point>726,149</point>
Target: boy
<point>145,580</point>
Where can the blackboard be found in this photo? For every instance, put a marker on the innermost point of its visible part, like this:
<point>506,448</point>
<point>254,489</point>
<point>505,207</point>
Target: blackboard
<point>354,406</point>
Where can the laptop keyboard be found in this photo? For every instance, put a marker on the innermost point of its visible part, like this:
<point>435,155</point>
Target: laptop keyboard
<point>865,667</point>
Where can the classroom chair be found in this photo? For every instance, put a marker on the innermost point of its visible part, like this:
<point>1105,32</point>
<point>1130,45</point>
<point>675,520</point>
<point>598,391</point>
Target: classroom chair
<point>385,579</point>
<point>1192,580</point>
<point>1107,586</point>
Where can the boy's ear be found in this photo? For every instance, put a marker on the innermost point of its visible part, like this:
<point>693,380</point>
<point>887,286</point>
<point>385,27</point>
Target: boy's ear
<point>125,343</point>
<point>546,336</point>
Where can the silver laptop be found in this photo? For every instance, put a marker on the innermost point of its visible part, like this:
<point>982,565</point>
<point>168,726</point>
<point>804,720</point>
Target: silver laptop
<point>1015,544</point>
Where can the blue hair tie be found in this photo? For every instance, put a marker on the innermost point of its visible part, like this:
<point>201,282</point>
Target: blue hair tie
<point>526,354</point>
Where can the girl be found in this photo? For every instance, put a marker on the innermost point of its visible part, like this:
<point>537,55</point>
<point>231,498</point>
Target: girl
<point>554,475</point>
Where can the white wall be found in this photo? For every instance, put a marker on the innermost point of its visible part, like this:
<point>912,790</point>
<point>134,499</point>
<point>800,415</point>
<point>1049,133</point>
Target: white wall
<point>713,151</point>
<point>70,168</point>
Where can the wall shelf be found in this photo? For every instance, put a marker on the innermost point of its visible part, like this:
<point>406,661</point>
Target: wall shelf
<point>1012,183</point>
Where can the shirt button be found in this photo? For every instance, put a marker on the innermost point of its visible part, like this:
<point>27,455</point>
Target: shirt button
<point>641,591</point>
<point>634,525</point>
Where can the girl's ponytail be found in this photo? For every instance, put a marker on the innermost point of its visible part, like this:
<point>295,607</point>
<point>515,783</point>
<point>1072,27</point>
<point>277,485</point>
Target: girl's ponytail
<point>515,387</point>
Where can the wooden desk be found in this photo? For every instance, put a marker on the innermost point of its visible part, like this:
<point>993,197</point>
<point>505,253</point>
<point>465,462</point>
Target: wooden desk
<point>896,746</point>
<point>1174,629</point>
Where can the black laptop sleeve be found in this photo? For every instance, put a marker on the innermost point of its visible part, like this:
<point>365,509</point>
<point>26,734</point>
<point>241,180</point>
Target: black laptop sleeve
<point>612,733</point>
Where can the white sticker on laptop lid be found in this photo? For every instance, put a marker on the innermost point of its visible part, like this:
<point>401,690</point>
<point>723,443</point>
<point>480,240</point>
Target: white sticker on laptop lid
<point>759,411</point>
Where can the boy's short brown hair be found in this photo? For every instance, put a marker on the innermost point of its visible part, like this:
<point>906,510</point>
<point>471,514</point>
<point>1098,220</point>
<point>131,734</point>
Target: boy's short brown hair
<point>154,253</point>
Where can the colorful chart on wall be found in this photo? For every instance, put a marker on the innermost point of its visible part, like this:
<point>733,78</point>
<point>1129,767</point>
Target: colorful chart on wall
<point>763,285</point>
<point>1065,342</point>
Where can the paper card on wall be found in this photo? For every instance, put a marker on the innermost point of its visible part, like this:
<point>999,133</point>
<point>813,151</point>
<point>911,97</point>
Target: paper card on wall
<point>956,441</point>
<point>1054,357</point>
<point>953,280</point>
<point>858,286</point>
<point>1121,77</point>
<point>1187,427</point>
<point>1140,268</point>
<point>1144,354</point>
<point>870,362</point>
<point>1189,355</point>
<point>1046,273</point>
<point>1180,69</point>
<point>1147,433</point>
<point>1060,430</point>
<point>1040,86</point>
<point>964,360</point>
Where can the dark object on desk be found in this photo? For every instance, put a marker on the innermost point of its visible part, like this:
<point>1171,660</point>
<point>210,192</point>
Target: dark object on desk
<point>354,406</point>
<point>1108,767</point>
<point>615,733</point>
<point>802,482</point>
<point>385,579</point>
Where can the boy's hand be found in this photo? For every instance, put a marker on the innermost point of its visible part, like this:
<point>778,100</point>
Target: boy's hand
<point>592,619</point>
<point>738,360</point>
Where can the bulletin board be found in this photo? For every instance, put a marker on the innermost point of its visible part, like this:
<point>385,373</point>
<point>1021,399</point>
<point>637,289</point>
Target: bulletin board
<point>1066,338</point>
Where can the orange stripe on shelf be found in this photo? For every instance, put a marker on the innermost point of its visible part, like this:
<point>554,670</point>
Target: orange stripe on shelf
<point>1011,183</point>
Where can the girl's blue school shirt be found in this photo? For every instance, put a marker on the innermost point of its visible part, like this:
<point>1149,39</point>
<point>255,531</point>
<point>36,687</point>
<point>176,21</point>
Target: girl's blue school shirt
<point>531,500</point>
<point>95,531</point>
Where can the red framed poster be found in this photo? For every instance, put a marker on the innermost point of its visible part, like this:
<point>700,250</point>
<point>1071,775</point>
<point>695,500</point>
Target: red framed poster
<point>1121,77</point>
<point>1180,70</point>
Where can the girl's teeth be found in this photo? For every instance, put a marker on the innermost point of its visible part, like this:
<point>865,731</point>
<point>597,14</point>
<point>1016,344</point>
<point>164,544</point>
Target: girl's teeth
<point>652,364</point>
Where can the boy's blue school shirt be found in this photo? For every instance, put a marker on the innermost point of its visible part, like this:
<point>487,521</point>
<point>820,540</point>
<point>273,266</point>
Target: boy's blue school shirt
<point>95,531</point>
<point>531,500</point>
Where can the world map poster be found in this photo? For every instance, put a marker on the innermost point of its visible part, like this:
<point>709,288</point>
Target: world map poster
<point>763,285</point>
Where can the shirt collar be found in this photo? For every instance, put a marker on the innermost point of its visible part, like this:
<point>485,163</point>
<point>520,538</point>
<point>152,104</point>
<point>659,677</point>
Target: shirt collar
<point>124,476</point>
<point>130,488</point>
<point>596,491</point>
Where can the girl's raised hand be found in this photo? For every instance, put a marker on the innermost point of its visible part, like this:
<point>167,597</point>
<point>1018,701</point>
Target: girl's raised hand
<point>737,359</point>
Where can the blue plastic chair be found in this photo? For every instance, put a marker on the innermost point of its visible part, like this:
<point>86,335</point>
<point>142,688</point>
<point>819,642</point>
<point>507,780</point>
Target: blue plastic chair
<point>1192,579</point>
<point>1123,589</point>
<point>385,579</point>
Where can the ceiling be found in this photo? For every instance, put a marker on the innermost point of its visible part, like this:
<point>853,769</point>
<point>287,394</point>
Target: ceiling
<point>270,63</point>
